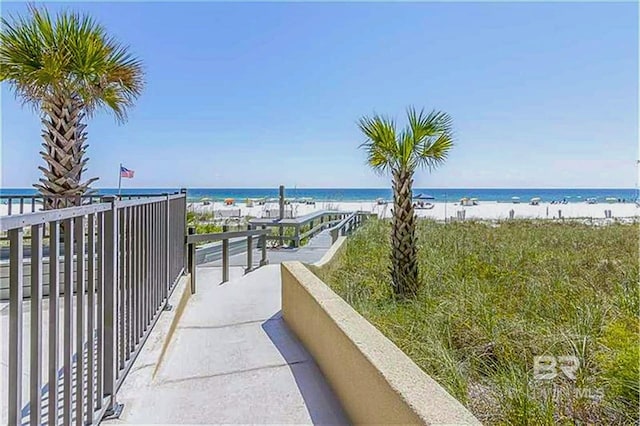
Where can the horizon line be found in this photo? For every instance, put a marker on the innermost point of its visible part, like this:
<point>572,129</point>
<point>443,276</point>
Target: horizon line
<point>341,187</point>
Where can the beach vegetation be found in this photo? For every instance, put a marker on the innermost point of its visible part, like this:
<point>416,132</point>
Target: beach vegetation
<point>497,295</point>
<point>425,142</point>
<point>67,67</point>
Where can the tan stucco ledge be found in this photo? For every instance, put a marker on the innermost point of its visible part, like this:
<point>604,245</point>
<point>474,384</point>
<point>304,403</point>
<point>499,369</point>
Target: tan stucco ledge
<point>373,379</point>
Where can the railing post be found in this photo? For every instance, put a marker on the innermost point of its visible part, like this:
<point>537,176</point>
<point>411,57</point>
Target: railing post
<point>191,260</point>
<point>185,261</point>
<point>249,251</point>
<point>167,244</point>
<point>15,325</point>
<point>296,239</point>
<point>110,265</point>
<point>263,237</point>
<point>225,256</point>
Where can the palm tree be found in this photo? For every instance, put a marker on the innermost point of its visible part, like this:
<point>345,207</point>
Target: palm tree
<point>67,69</point>
<point>424,142</point>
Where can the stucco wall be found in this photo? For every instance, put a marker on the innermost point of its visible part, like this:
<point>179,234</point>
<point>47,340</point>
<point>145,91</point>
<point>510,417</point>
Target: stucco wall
<point>373,379</point>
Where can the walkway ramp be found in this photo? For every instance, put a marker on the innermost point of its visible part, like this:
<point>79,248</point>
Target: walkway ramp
<point>231,359</point>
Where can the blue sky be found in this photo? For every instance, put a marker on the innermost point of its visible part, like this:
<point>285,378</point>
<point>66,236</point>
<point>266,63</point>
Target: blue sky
<point>261,94</point>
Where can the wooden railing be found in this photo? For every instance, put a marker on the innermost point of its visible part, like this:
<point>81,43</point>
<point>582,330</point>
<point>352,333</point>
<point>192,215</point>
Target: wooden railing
<point>120,262</point>
<point>349,224</point>
<point>192,240</point>
<point>291,229</point>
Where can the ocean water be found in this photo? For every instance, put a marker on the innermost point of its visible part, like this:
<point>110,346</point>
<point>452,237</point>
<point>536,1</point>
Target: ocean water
<point>572,195</point>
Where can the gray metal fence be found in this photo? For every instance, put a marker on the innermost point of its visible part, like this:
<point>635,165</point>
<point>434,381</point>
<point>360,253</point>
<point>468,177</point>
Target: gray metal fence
<point>85,335</point>
<point>29,203</point>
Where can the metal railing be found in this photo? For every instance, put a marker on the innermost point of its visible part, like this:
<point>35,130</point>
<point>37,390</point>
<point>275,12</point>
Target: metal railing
<point>121,261</point>
<point>192,240</point>
<point>302,228</point>
<point>30,203</point>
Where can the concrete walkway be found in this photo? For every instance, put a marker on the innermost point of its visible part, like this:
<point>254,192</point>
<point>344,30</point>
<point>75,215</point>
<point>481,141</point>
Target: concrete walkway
<point>232,359</point>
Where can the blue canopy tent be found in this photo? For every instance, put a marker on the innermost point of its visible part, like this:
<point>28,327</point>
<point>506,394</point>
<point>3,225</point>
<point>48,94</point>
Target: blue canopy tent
<point>424,197</point>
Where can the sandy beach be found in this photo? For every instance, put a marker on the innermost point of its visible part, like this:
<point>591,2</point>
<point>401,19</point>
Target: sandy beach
<point>484,210</point>
<point>488,210</point>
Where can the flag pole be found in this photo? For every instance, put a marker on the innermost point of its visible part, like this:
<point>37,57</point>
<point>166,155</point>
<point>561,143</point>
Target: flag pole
<point>119,179</point>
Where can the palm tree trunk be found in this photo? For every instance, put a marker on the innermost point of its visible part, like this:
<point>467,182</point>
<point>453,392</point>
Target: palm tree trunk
<point>64,149</point>
<point>404,259</point>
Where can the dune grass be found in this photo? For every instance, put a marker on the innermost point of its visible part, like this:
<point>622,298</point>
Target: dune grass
<point>495,296</point>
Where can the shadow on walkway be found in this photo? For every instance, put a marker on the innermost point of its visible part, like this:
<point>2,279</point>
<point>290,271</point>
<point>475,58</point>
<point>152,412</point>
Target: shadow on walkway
<point>322,404</point>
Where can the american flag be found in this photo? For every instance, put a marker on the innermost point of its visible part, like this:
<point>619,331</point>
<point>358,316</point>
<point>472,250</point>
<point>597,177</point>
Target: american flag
<point>126,173</point>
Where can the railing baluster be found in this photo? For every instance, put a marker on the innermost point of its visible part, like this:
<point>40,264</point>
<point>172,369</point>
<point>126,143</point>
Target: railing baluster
<point>54,296</point>
<point>145,263</point>
<point>152,271</point>
<point>110,303</point>
<point>167,252</point>
<point>156,256</point>
<point>129,245</point>
<point>122,225</point>
<point>150,260</point>
<point>91,301</point>
<point>68,320</point>
<point>36,325</point>
<point>142,274</point>
<point>80,329</point>
<point>136,276</point>
<point>100,313</point>
<point>15,325</point>
<point>132,280</point>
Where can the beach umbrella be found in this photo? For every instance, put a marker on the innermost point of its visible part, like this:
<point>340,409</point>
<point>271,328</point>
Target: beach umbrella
<point>424,197</point>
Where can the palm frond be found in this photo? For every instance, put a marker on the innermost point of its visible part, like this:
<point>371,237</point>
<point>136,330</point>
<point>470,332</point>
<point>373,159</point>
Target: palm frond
<point>380,144</point>
<point>431,135</point>
<point>69,55</point>
<point>434,151</point>
<point>424,142</point>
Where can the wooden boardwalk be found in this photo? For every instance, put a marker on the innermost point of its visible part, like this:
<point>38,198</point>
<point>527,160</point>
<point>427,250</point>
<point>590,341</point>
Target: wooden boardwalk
<point>309,253</point>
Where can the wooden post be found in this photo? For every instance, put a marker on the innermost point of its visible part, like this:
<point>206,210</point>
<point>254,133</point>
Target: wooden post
<point>264,261</point>
<point>191,260</point>
<point>281,213</point>
<point>225,256</point>
<point>296,238</point>
<point>249,251</point>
